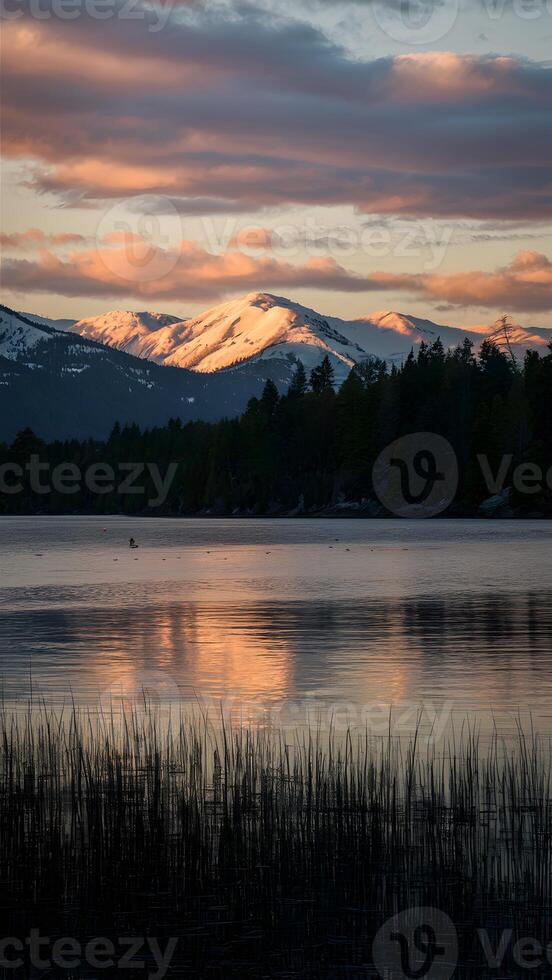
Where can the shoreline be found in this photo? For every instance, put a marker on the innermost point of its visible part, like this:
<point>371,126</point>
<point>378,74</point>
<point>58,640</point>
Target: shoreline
<point>325,515</point>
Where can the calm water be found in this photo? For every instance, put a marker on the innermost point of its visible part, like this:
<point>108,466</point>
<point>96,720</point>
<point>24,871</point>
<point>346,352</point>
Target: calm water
<point>321,618</point>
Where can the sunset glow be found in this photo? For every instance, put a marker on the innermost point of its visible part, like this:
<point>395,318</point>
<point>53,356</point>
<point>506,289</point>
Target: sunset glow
<point>217,135</point>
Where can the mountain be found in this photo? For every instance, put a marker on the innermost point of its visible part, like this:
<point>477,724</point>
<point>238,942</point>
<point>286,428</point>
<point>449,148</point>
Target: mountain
<point>257,327</point>
<point>19,337</point>
<point>61,324</point>
<point>260,329</point>
<point>63,386</point>
<point>263,327</point>
<point>147,367</point>
<point>520,338</point>
<point>393,335</point>
<point>131,332</point>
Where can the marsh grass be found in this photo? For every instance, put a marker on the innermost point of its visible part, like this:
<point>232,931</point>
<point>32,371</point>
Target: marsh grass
<point>269,854</point>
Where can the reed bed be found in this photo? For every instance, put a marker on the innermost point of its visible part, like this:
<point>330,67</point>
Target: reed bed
<point>268,854</point>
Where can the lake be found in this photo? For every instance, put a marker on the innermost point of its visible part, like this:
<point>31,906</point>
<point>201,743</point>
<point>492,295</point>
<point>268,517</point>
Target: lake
<point>333,621</point>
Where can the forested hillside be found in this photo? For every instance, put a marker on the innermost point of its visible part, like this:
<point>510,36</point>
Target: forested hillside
<point>313,449</point>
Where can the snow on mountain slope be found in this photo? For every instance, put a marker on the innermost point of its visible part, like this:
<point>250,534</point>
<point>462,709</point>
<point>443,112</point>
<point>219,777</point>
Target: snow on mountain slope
<point>63,385</point>
<point>60,324</point>
<point>256,327</point>
<point>393,335</point>
<point>23,339</point>
<point>259,328</point>
<point>18,337</point>
<point>124,330</point>
<point>520,338</point>
<point>263,326</point>
<point>414,327</point>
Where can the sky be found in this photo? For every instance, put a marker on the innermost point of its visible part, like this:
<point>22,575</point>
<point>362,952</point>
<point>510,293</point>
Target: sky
<point>353,156</point>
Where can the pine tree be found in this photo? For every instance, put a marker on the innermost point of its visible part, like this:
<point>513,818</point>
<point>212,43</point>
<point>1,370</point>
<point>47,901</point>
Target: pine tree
<point>299,383</point>
<point>26,444</point>
<point>370,371</point>
<point>322,377</point>
<point>269,398</point>
<point>437,351</point>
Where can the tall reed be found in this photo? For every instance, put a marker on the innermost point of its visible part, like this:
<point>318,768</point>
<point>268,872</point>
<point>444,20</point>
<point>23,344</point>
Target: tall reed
<point>268,853</point>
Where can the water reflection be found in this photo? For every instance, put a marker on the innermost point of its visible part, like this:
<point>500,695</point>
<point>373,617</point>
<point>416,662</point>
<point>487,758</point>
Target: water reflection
<point>487,654</point>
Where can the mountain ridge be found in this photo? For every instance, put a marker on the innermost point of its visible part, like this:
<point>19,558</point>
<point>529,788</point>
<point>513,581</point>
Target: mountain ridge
<point>66,383</point>
<point>65,386</point>
<point>261,326</point>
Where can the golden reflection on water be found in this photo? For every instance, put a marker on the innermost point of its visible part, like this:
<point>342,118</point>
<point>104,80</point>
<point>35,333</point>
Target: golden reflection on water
<point>341,616</point>
<point>483,655</point>
<point>486,655</point>
<point>206,651</point>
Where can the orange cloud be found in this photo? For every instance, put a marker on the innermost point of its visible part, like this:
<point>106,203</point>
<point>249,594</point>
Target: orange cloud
<point>121,266</point>
<point>185,271</point>
<point>525,284</point>
<point>33,238</point>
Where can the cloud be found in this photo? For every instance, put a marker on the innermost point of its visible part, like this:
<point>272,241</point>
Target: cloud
<point>155,204</point>
<point>290,238</point>
<point>122,266</point>
<point>524,285</point>
<point>34,238</point>
<point>186,271</point>
<point>255,238</point>
<point>250,113</point>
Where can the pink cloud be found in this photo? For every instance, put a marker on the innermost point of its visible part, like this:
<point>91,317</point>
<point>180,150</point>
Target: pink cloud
<point>269,114</point>
<point>187,271</point>
<point>34,238</point>
<point>525,284</point>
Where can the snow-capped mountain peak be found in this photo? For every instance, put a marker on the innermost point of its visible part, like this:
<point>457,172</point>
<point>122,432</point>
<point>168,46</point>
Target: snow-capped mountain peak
<point>124,329</point>
<point>64,385</point>
<point>393,335</point>
<point>405,325</point>
<point>261,327</point>
<point>258,326</point>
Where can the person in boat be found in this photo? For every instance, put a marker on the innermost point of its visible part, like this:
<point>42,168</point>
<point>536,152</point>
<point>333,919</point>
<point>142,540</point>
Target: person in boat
<point>132,543</point>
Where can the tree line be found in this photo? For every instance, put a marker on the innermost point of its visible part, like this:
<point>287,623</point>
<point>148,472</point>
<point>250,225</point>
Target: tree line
<point>313,448</point>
